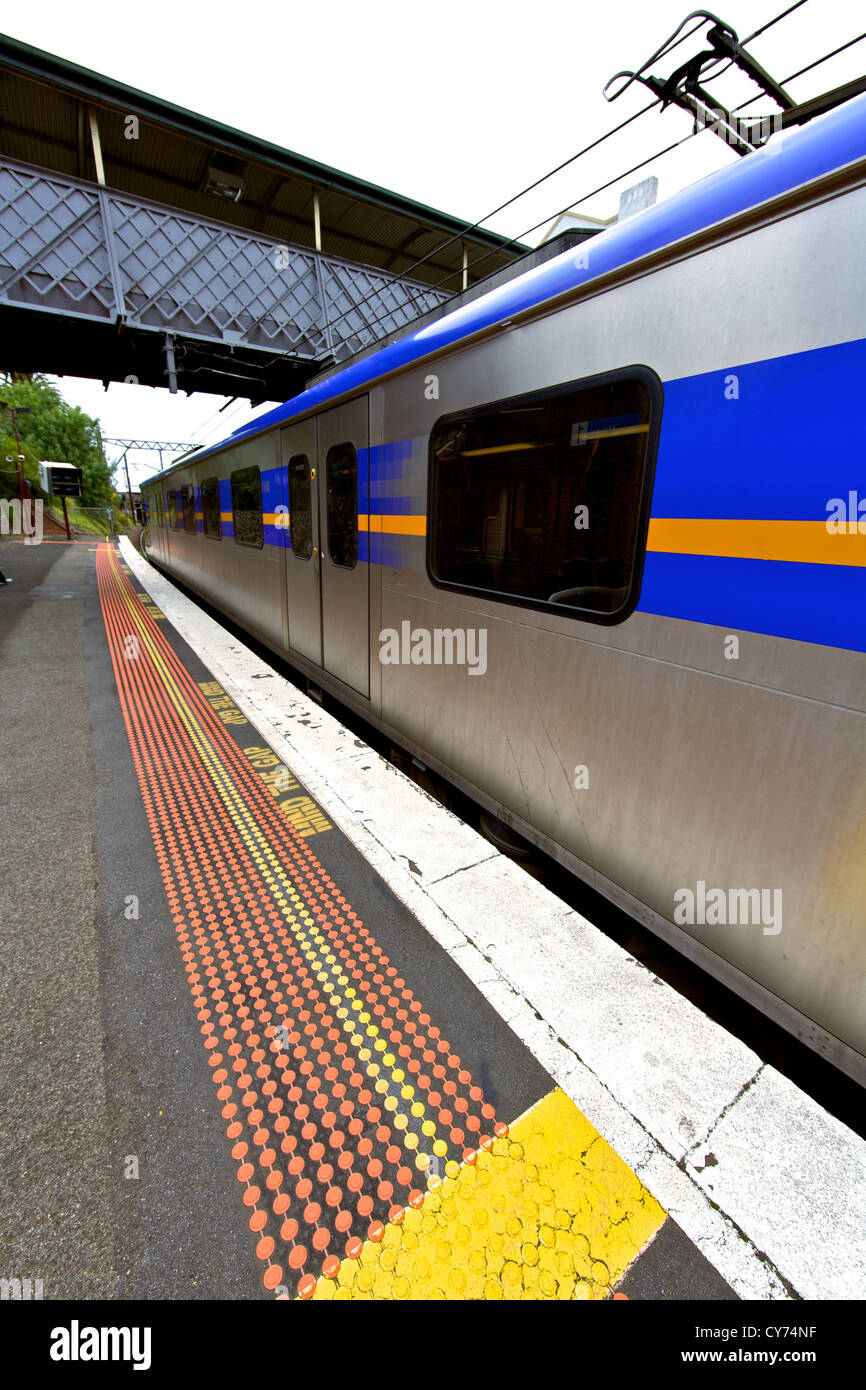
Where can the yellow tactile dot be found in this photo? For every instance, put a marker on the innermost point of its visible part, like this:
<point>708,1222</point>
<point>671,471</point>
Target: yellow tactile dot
<point>550,1212</point>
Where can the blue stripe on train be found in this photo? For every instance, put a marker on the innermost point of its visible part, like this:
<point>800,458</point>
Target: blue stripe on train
<point>388,551</point>
<point>778,450</point>
<point>809,603</point>
<point>826,144</point>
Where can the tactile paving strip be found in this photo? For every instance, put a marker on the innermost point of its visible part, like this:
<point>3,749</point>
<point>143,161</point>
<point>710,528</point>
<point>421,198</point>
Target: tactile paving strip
<point>370,1162</point>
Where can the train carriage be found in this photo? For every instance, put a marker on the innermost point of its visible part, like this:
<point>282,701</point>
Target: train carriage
<point>592,547</point>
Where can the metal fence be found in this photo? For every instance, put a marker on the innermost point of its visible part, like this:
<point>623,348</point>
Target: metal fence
<point>95,254</point>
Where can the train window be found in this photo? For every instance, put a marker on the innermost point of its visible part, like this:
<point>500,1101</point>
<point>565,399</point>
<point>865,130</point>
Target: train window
<point>341,467</point>
<point>171,504</point>
<point>210,508</point>
<point>187,500</point>
<point>543,499</point>
<point>300,507</point>
<point>247,507</point>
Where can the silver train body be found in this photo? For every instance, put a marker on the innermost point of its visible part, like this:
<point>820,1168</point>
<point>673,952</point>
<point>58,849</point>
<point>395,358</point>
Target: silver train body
<point>685,733</point>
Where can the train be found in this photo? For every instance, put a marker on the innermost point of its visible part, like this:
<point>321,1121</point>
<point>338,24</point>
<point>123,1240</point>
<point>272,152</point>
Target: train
<point>591,546</point>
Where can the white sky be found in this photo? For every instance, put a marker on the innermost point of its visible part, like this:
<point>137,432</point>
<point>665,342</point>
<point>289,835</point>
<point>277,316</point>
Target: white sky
<point>457,104</point>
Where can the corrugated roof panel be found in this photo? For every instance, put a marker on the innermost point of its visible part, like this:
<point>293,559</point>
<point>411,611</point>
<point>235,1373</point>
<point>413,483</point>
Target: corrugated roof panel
<point>42,95</point>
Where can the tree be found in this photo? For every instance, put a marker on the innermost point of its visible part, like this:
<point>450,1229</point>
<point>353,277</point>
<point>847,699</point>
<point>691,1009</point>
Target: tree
<point>54,432</point>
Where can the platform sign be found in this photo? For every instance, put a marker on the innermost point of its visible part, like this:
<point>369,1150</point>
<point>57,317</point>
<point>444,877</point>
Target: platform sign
<point>60,479</point>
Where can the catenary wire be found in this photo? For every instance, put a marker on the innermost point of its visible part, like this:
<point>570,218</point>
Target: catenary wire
<point>662,52</point>
<point>634,168</point>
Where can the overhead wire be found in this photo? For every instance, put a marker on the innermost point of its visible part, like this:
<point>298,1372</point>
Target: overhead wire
<point>659,154</point>
<point>476,226</point>
<point>809,66</point>
<point>665,49</point>
<point>727,63</point>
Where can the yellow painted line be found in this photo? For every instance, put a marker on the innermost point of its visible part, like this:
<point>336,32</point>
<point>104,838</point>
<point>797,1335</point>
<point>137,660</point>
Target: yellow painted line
<point>613,434</point>
<point>394,525</point>
<point>269,518</point>
<point>548,1212</point>
<point>804,542</point>
<point>499,449</point>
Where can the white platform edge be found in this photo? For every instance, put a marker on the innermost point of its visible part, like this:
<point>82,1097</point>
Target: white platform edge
<point>663,1084</point>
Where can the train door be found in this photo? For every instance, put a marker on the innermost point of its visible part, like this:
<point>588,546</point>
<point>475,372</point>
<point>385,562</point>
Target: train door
<point>342,488</point>
<point>303,585</point>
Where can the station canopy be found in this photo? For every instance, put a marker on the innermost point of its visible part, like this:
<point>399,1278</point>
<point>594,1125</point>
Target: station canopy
<point>350,238</point>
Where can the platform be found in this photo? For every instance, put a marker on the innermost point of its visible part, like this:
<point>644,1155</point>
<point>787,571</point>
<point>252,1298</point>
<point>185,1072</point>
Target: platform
<point>282,1026</point>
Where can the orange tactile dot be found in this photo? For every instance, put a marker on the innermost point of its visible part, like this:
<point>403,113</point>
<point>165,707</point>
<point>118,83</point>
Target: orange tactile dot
<point>256,916</point>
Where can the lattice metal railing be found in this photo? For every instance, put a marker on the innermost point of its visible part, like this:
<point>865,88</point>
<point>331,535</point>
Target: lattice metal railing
<point>73,248</point>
